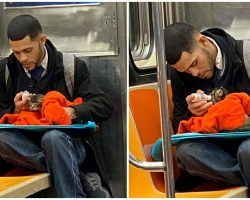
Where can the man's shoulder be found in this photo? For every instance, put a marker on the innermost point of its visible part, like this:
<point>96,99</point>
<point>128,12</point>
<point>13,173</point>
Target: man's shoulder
<point>10,61</point>
<point>3,61</point>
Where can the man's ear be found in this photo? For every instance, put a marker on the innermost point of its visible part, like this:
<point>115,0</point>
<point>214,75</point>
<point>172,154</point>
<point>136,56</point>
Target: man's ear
<point>42,39</point>
<point>202,40</point>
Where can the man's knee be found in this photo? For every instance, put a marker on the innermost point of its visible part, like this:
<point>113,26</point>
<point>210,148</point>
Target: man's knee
<point>189,151</point>
<point>244,150</point>
<point>53,138</point>
<point>184,149</point>
<point>9,138</point>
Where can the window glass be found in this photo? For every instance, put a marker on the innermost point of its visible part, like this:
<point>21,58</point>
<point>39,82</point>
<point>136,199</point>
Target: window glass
<point>84,29</point>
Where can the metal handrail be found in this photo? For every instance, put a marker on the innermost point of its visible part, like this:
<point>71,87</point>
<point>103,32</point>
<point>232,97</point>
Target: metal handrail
<point>152,166</point>
<point>162,82</point>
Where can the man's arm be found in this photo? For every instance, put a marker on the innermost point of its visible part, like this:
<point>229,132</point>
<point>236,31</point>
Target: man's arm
<point>6,104</point>
<point>97,106</point>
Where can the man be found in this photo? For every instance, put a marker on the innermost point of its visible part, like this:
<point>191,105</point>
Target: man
<point>54,151</point>
<point>199,63</point>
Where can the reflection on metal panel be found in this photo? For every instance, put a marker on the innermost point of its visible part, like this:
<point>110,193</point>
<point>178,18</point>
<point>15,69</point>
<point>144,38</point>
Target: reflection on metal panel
<point>141,35</point>
<point>233,17</point>
<point>82,29</point>
<point>141,30</point>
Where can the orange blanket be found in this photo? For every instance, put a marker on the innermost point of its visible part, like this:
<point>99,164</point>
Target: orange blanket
<point>52,112</point>
<point>228,114</point>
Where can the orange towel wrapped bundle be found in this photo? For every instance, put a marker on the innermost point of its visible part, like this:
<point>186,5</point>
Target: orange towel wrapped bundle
<point>227,114</point>
<point>52,112</point>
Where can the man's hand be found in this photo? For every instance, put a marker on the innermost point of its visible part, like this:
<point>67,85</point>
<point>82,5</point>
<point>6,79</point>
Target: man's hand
<point>71,112</point>
<point>247,120</point>
<point>198,108</point>
<point>21,102</point>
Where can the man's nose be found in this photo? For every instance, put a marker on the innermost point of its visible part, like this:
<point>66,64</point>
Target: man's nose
<point>194,72</point>
<point>23,57</point>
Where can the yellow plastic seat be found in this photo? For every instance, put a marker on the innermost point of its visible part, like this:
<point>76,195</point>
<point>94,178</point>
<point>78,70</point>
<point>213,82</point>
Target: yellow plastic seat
<point>18,183</point>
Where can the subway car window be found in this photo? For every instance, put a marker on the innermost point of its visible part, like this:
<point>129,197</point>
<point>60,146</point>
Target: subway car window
<point>93,31</point>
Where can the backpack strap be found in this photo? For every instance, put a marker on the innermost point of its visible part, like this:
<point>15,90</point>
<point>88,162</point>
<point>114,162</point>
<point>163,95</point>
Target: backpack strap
<point>7,73</point>
<point>4,70</point>
<point>246,56</point>
<point>69,71</point>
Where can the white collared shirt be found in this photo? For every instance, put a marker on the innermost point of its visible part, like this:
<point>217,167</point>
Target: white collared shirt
<point>44,64</point>
<point>220,60</point>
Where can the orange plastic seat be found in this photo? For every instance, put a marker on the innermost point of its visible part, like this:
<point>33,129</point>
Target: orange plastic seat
<point>144,130</point>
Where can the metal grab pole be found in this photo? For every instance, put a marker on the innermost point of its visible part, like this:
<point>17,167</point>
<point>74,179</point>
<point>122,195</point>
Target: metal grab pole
<point>162,82</point>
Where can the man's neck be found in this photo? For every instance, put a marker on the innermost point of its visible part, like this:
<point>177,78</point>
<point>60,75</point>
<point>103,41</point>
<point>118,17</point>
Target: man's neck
<point>42,57</point>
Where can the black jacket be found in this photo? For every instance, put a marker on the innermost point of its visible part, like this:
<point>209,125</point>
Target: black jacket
<point>234,78</point>
<point>96,106</point>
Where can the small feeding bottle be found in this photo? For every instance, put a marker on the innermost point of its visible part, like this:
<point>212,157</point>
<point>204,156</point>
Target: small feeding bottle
<point>201,97</point>
<point>25,95</point>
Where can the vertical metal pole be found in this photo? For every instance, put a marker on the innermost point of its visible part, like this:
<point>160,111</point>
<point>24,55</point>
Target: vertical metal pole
<point>162,82</point>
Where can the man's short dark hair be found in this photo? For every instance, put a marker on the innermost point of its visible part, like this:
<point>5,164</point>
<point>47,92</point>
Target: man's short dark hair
<point>179,37</point>
<point>22,26</point>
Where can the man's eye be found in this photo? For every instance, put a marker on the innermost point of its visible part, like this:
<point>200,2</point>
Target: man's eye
<point>27,50</point>
<point>194,63</point>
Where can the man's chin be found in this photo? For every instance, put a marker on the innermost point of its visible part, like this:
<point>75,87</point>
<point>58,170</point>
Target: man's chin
<point>205,77</point>
<point>28,67</point>
<point>208,75</point>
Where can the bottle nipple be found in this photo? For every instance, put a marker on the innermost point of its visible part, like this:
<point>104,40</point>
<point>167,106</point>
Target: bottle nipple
<point>201,97</point>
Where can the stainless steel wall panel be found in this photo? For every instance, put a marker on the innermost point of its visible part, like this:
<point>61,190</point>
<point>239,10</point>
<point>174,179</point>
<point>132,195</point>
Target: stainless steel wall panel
<point>80,29</point>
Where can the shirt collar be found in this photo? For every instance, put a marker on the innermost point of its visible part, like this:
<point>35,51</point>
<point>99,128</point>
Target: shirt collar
<point>219,58</point>
<point>44,62</point>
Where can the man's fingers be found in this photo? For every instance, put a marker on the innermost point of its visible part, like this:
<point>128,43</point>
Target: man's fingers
<point>206,106</point>
<point>18,97</point>
<point>196,105</point>
<point>199,111</point>
<point>200,91</point>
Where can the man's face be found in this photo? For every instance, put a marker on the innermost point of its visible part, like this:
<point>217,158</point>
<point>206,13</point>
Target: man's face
<point>199,63</point>
<point>29,52</point>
